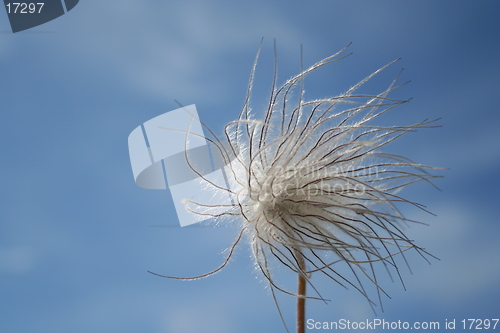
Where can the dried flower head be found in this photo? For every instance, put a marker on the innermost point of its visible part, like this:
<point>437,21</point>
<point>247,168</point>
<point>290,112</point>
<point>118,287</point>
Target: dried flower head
<point>312,186</point>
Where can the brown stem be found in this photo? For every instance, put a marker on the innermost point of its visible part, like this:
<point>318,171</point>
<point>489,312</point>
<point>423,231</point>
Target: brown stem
<point>301,291</point>
<point>301,305</point>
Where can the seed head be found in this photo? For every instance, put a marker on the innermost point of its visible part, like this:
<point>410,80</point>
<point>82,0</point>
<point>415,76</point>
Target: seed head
<point>312,185</point>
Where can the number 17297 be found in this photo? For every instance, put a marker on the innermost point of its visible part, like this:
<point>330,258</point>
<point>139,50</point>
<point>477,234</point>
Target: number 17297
<point>24,8</point>
<point>479,324</point>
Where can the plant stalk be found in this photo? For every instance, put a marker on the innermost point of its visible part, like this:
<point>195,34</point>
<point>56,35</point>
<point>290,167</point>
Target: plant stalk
<point>301,305</point>
<point>301,291</point>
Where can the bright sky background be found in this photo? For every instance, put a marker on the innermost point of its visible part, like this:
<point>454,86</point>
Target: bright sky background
<point>77,236</point>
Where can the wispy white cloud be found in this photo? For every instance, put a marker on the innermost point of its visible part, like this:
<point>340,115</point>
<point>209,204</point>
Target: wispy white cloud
<point>174,49</point>
<point>468,263</point>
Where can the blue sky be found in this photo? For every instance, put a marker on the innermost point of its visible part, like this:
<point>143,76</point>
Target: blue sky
<point>77,236</point>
